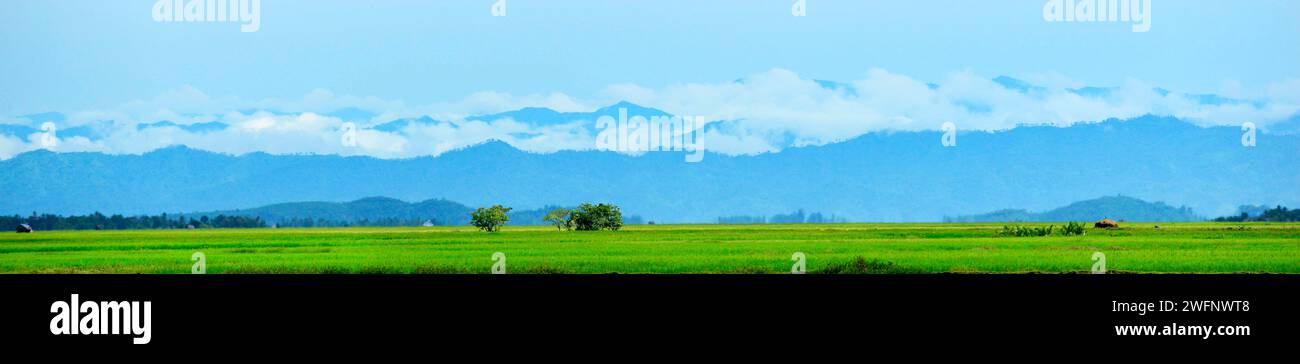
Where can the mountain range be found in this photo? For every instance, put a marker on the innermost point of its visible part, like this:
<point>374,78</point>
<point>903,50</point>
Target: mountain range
<point>1120,208</point>
<point>388,211</point>
<point>434,211</point>
<point>383,211</point>
<point>880,176</point>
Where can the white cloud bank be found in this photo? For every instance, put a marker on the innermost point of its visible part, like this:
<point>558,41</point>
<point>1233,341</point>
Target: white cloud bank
<point>767,111</point>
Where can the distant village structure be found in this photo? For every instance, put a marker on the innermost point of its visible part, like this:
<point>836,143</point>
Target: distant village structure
<point>1106,224</point>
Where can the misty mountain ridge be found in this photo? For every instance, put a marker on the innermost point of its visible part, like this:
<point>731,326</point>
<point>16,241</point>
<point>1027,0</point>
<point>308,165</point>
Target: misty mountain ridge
<point>1120,208</point>
<point>882,176</point>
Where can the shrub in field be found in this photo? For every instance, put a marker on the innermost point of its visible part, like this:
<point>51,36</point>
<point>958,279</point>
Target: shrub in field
<point>1008,230</point>
<point>542,269</point>
<point>749,270</point>
<point>1069,229</point>
<point>860,265</point>
<point>560,218</point>
<point>590,217</point>
<point>489,219</point>
<point>1073,228</point>
<point>1021,231</point>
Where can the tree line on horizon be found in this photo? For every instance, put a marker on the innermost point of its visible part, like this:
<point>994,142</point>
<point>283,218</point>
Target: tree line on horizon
<point>796,217</point>
<point>1276,214</point>
<point>99,221</point>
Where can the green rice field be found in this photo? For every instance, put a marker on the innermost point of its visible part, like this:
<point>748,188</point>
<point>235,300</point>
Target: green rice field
<point>727,249</point>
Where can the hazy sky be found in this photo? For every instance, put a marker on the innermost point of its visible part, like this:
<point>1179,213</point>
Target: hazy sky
<point>113,70</point>
<point>91,54</point>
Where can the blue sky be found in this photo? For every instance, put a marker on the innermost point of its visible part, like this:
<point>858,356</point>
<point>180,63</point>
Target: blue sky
<point>109,66</point>
<point>88,54</point>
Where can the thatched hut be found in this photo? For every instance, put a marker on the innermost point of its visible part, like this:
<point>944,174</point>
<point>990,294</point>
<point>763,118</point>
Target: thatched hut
<point>1106,224</point>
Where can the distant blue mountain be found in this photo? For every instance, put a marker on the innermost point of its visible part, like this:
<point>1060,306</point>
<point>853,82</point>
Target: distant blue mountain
<point>18,131</point>
<point>1203,99</point>
<point>533,116</point>
<point>1024,87</point>
<point>1093,91</point>
<point>199,128</point>
<point>543,116</point>
<point>397,126</point>
<point>1018,85</point>
<point>1120,208</point>
<point>845,88</point>
<point>382,211</point>
<point>92,131</point>
<point>884,176</point>
<point>372,209</point>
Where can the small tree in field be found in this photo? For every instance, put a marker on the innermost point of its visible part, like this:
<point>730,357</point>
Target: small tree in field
<point>489,219</point>
<point>590,217</point>
<point>560,218</point>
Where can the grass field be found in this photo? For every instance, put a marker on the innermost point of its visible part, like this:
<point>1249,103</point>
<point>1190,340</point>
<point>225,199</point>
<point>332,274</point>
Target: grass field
<point>886,248</point>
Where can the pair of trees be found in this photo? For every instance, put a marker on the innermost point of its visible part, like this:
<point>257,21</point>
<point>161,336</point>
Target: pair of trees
<point>587,217</point>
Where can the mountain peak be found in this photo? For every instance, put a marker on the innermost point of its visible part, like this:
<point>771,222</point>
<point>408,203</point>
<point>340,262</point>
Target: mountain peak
<point>376,199</point>
<point>490,146</point>
<point>632,109</point>
<point>1015,84</point>
<point>623,103</point>
<point>174,149</point>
